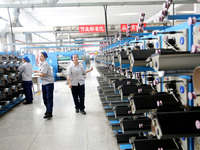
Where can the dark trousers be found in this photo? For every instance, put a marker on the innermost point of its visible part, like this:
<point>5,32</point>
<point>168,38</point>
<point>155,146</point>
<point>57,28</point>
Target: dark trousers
<point>27,86</point>
<point>78,93</point>
<point>47,92</point>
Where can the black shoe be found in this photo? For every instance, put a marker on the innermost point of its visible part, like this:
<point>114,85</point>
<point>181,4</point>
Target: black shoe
<point>25,103</point>
<point>45,113</point>
<point>83,112</point>
<point>77,110</point>
<point>48,115</point>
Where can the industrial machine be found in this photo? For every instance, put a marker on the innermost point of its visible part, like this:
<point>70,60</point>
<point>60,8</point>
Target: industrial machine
<point>59,62</point>
<point>153,101</point>
<point>11,89</point>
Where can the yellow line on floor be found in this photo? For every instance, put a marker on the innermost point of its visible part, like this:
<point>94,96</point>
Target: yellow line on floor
<point>38,93</point>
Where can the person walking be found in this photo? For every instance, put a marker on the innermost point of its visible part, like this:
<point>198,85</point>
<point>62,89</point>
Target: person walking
<point>76,81</point>
<point>47,84</point>
<point>26,71</point>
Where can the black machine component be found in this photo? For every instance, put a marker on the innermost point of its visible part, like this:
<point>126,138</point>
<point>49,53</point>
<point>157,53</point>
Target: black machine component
<point>1,95</point>
<point>4,103</point>
<point>6,79</point>
<point>126,90</point>
<point>176,124</point>
<point>124,138</point>
<point>146,103</point>
<point>1,71</point>
<point>123,58</point>
<point>135,125</point>
<point>2,83</point>
<point>171,87</point>
<point>119,103</point>
<point>10,82</point>
<point>118,83</point>
<point>155,144</point>
<point>142,54</point>
<point>14,77</point>
<point>150,45</point>
<point>12,69</point>
<point>137,47</point>
<point>170,32</point>
<point>150,77</point>
<point>6,91</point>
<point>124,111</point>
<point>138,57</point>
<point>14,89</point>
<point>171,41</point>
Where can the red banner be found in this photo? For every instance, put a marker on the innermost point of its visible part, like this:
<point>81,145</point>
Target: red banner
<point>134,27</point>
<point>91,28</point>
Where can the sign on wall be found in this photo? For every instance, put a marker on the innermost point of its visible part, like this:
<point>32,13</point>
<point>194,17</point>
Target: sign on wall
<point>91,28</point>
<point>134,27</point>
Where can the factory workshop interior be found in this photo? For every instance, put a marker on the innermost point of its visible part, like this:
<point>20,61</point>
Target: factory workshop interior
<point>99,74</point>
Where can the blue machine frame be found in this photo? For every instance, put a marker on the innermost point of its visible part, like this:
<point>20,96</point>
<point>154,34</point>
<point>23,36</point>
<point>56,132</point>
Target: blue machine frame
<point>190,43</point>
<point>52,60</point>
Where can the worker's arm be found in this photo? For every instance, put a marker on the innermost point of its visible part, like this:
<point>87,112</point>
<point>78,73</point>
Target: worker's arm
<point>21,68</point>
<point>69,82</point>
<point>43,71</point>
<point>69,74</point>
<point>89,70</point>
<point>40,74</point>
<point>36,71</point>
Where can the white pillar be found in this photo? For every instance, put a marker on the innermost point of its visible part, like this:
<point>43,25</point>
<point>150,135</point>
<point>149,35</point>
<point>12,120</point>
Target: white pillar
<point>3,42</point>
<point>197,8</point>
<point>11,40</point>
<point>29,40</point>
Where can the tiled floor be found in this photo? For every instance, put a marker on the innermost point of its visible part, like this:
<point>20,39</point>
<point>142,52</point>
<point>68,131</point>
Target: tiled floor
<point>23,127</point>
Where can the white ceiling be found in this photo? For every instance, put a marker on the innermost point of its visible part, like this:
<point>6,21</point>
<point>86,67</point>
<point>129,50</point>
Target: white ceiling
<point>90,15</point>
<point>64,16</point>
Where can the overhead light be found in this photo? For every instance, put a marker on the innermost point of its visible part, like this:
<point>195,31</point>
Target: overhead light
<point>128,14</point>
<point>185,12</point>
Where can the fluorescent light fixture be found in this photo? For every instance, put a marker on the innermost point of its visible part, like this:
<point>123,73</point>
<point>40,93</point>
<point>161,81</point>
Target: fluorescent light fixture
<point>185,12</point>
<point>128,14</point>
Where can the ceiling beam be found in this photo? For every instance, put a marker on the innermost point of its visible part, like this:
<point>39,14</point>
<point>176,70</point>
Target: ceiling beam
<point>125,3</point>
<point>50,43</point>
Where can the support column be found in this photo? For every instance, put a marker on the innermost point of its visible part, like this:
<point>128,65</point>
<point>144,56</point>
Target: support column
<point>29,41</point>
<point>3,42</point>
<point>197,8</point>
<point>11,41</point>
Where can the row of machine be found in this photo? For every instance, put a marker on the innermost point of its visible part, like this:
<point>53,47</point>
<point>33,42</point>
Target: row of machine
<point>149,88</point>
<point>11,88</point>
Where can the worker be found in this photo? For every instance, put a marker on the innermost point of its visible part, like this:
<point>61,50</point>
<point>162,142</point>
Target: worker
<point>76,81</point>
<point>47,84</point>
<point>26,72</point>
